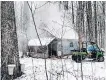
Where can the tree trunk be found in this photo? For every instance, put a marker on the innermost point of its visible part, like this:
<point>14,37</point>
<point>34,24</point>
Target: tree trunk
<point>72,12</point>
<point>103,43</point>
<point>9,43</point>
<point>80,22</point>
<point>95,18</point>
<point>89,20</point>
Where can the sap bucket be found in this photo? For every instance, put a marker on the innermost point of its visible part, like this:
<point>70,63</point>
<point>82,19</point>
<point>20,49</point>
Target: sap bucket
<point>22,67</point>
<point>11,68</point>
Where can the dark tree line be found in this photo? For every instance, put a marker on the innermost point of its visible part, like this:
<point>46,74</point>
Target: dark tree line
<point>90,20</point>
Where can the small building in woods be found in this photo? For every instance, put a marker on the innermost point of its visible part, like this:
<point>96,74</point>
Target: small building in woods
<point>51,47</point>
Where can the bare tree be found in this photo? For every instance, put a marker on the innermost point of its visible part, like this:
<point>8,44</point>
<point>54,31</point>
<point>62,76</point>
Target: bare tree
<point>95,17</point>
<point>89,20</point>
<point>32,15</point>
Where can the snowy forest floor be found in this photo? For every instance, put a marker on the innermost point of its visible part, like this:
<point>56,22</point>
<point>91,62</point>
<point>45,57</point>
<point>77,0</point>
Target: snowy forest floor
<point>62,69</point>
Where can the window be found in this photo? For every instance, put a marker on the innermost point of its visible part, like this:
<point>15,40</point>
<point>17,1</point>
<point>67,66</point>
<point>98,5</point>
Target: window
<point>71,44</point>
<point>41,49</point>
<point>31,49</point>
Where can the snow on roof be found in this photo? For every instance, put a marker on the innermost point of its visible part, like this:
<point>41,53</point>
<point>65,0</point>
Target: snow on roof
<point>36,42</point>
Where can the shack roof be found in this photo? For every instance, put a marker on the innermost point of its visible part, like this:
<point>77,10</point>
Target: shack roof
<point>44,41</point>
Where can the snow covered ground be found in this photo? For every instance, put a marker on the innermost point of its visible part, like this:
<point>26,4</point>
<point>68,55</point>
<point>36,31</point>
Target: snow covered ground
<point>62,69</point>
